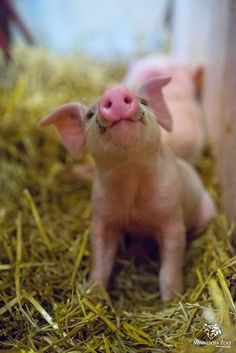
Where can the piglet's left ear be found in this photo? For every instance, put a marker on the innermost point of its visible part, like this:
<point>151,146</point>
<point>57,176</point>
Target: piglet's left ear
<point>151,90</point>
<point>68,121</point>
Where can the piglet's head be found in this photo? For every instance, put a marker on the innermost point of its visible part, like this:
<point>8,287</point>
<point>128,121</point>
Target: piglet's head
<point>118,122</point>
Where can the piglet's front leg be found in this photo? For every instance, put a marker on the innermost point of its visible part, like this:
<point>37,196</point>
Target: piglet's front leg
<point>104,241</point>
<point>172,249</point>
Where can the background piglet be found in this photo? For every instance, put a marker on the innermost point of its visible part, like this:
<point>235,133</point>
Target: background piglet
<point>139,188</point>
<point>187,138</point>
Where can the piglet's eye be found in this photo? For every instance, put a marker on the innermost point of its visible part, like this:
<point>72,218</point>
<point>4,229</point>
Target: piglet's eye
<point>90,114</point>
<point>143,101</point>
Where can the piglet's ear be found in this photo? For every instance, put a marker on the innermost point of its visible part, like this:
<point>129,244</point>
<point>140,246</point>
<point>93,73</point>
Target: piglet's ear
<point>68,120</point>
<point>151,90</point>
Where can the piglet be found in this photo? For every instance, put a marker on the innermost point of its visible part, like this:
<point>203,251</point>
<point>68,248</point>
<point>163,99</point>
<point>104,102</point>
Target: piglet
<point>188,135</point>
<point>140,188</point>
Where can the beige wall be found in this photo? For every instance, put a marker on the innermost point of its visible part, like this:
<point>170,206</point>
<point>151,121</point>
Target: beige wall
<point>206,31</point>
<point>220,97</point>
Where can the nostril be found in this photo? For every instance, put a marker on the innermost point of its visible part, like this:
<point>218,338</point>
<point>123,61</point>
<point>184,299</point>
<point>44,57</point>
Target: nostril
<point>128,100</point>
<point>108,104</point>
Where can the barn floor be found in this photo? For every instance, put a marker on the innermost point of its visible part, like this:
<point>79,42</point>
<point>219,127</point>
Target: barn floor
<point>45,303</point>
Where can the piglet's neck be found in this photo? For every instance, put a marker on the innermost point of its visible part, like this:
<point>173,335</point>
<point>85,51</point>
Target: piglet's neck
<point>140,162</point>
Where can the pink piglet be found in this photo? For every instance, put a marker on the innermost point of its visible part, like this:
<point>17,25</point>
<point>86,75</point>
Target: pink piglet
<point>140,187</point>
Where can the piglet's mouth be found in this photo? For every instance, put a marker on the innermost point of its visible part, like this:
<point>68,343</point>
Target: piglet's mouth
<point>103,126</point>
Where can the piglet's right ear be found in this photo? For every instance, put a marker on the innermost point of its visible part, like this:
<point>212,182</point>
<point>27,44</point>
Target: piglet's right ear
<point>68,120</point>
<point>151,89</point>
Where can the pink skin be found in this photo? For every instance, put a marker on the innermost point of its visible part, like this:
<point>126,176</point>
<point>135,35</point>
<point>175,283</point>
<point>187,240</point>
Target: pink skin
<point>139,188</point>
<point>188,136</point>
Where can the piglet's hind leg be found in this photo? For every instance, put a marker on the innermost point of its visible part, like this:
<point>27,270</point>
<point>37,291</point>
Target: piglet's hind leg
<point>206,213</point>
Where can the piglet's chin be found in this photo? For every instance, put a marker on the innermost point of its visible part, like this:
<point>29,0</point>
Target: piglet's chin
<point>125,133</point>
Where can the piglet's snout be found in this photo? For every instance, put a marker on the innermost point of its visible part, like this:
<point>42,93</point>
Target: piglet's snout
<point>118,103</point>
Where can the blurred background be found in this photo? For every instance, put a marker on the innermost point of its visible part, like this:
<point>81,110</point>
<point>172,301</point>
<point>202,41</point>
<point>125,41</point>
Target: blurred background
<point>107,29</point>
<point>101,28</point>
